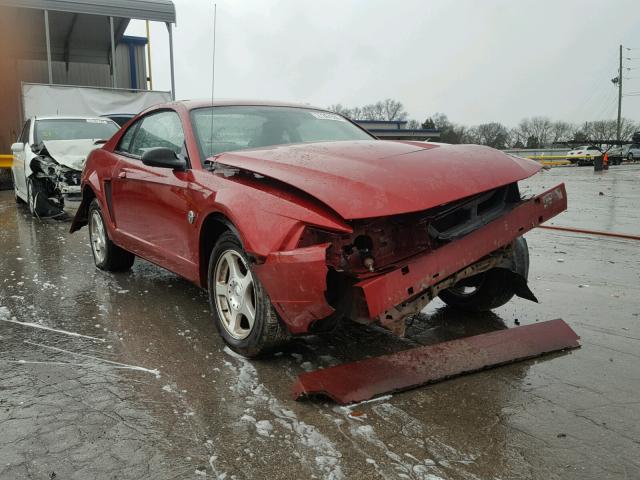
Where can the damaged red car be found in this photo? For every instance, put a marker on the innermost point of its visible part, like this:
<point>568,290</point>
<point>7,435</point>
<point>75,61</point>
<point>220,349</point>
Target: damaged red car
<point>294,218</point>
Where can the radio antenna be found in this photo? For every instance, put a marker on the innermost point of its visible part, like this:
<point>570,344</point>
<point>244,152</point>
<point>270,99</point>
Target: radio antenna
<point>213,70</point>
<point>213,63</point>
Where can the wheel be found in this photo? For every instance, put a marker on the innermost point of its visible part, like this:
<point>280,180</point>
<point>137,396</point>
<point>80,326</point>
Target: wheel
<point>630,157</point>
<point>106,254</point>
<point>38,200</point>
<point>34,189</point>
<point>490,289</point>
<point>241,308</point>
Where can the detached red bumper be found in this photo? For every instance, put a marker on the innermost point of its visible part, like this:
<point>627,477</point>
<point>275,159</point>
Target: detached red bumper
<point>421,272</point>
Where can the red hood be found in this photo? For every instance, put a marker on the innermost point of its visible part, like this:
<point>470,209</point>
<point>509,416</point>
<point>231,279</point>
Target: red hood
<point>376,178</point>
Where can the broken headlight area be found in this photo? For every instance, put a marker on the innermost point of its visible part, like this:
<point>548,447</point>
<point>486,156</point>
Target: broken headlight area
<point>52,182</point>
<point>380,244</point>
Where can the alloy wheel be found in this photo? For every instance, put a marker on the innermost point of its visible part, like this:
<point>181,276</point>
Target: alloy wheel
<point>98,236</point>
<point>235,297</point>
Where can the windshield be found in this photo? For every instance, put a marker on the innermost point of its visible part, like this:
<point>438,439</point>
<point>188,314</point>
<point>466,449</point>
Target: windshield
<point>74,129</point>
<point>224,129</point>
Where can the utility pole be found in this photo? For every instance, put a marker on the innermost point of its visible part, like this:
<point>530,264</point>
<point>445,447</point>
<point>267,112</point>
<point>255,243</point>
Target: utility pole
<point>619,97</point>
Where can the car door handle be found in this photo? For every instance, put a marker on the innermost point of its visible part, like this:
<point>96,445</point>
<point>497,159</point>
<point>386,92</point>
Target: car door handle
<point>122,174</point>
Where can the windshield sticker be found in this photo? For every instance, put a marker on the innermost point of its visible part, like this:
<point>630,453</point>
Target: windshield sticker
<point>328,116</point>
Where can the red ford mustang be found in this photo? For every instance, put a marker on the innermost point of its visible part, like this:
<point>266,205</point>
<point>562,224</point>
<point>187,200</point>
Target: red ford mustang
<point>294,217</point>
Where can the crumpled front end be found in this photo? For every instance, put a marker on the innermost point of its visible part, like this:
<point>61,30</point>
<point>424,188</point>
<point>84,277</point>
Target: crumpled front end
<point>56,175</point>
<point>391,267</point>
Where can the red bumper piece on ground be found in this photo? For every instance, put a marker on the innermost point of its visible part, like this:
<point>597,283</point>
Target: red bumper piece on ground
<point>362,380</point>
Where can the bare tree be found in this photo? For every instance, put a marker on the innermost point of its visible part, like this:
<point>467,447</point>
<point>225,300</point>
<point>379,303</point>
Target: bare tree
<point>342,110</point>
<point>536,131</point>
<point>393,110</point>
<point>561,132</point>
<point>628,128</point>
<point>449,132</point>
<point>601,130</point>
<point>372,111</point>
<point>338,108</point>
<point>356,113</point>
<point>492,134</point>
<point>386,110</point>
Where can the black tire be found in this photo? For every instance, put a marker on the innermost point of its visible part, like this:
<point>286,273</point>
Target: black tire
<point>34,190</point>
<point>492,288</point>
<point>267,332</point>
<point>38,200</point>
<point>110,257</point>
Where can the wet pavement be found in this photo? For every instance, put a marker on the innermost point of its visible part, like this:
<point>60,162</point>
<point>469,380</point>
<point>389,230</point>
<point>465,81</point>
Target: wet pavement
<point>123,375</point>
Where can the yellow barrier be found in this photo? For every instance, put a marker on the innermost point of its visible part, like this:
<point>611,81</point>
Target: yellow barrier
<point>557,160</point>
<point>563,157</point>
<point>6,161</point>
<point>555,163</point>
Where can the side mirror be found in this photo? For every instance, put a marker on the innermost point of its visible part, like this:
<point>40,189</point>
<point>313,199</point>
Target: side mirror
<point>163,157</point>
<point>17,147</point>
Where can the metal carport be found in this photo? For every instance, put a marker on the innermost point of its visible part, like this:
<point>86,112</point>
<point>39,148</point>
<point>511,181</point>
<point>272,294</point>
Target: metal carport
<point>64,20</point>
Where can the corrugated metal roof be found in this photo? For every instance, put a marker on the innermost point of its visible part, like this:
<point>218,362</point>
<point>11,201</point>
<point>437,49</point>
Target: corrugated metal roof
<point>155,10</point>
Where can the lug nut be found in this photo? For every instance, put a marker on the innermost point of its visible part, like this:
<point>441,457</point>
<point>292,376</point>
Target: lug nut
<point>368,263</point>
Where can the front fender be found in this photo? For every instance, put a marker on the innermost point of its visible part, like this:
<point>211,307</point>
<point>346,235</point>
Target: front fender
<point>91,189</point>
<point>296,281</point>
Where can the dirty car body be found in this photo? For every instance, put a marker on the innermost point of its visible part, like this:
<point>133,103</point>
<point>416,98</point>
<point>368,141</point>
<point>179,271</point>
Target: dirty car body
<point>49,157</point>
<point>345,225</point>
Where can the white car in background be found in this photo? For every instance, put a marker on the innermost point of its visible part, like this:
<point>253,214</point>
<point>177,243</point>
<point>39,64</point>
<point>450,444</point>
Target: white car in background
<point>633,153</point>
<point>49,157</point>
<point>584,155</point>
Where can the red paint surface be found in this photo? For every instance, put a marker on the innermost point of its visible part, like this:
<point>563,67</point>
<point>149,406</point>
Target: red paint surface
<point>390,289</point>
<point>296,282</point>
<point>378,178</point>
<point>323,185</point>
<point>362,380</point>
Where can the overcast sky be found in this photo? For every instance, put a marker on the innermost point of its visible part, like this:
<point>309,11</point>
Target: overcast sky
<point>476,61</point>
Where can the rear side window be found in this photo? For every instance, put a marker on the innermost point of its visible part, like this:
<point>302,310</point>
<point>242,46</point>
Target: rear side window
<point>162,129</point>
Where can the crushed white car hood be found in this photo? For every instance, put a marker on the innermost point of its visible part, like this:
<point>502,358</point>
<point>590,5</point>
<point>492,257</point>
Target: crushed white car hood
<point>70,153</point>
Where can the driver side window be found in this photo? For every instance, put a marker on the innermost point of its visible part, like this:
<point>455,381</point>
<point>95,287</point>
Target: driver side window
<point>162,129</point>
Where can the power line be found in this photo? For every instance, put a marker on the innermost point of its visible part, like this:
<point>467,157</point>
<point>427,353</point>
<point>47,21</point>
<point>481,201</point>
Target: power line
<point>593,102</point>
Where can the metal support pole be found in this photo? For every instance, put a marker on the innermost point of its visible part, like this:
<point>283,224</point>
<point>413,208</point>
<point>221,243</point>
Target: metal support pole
<point>48,40</point>
<point>619,98</point>
<point>150,76</point>
<point>173,80</point>
<point>113,54</point>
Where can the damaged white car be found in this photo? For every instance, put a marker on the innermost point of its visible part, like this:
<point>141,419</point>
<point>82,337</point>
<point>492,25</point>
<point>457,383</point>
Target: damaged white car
<point>49,157</point>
